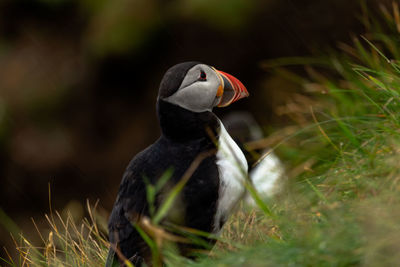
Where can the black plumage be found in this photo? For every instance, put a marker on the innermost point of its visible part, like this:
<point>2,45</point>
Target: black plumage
<point>185,135</point>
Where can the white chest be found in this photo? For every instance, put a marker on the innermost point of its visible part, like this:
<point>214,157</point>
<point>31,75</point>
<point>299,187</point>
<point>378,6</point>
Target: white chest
<point>232,167</point>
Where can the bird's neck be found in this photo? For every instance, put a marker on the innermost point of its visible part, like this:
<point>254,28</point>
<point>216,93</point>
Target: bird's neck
<point>183,125</point>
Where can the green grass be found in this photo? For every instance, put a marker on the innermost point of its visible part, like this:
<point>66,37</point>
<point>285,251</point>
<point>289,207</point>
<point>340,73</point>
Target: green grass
<point>342,208</point>
<point>341,205</point>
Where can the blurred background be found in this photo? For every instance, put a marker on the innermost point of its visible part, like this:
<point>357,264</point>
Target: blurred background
<point>79,79</point>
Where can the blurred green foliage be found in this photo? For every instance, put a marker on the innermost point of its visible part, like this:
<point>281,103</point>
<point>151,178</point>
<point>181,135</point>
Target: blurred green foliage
<point>231,15</point>
<point>123,25</point>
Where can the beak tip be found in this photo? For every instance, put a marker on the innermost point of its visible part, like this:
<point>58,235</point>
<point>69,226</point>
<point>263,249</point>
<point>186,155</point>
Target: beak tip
<point>239,89</point>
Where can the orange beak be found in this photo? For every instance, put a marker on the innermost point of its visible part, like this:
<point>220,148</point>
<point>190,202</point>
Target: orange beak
<point>230,90</point>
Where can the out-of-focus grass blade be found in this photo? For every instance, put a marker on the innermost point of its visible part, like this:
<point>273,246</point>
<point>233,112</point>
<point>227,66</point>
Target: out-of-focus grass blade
<point>8,223</point>
<point>164,179</point>
<point>150,195</point>
<point>347,132</point>
<point>149,241</point>
<point>173,194</point>
<point>319,194</point>
<point>7,262</point>
<point>167,203</point>
<point>257,199</point>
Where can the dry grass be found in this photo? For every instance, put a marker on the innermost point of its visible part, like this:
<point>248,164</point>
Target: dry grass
<point>66,244</point>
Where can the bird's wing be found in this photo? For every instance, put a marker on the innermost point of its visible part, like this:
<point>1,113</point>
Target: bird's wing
<point>130,205</point>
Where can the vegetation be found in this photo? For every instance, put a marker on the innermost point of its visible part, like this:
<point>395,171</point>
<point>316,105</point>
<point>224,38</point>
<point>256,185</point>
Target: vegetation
<point>67,243</point>
<point>341,206</point>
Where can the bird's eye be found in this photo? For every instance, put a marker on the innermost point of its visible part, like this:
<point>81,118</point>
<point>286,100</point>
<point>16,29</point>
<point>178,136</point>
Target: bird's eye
<point>203,76</point>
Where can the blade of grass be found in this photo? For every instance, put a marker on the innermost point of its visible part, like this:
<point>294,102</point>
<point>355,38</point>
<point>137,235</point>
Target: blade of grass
<point>319,194</point>
<point>322,130</point>
<point>168,202</point>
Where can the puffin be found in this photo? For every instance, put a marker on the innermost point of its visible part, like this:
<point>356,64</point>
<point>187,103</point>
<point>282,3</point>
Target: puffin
<point>193,142</point>
<point>266,172</point>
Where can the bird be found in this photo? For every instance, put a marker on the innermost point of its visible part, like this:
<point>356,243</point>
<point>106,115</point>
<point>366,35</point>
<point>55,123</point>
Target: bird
<point>190,133</point>
<point>266,173</point>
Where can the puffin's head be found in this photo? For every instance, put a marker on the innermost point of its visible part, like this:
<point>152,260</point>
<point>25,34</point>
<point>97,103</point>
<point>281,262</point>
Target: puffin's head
<point>198,87</point>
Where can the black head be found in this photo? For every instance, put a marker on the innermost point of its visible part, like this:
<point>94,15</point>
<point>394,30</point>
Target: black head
<point>173,78</point>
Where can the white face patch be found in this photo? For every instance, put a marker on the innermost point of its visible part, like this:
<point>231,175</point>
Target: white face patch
<point>197,94</point>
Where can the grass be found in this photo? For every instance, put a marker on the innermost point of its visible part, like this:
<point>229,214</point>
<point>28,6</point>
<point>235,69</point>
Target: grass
<point>66,243</point>
<point>343,209</point>
<point>341,206</point>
